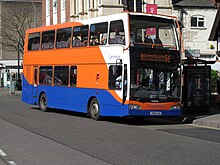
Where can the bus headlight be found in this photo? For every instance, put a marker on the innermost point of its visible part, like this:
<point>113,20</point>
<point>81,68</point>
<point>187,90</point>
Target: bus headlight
<point>134,106</point>
<point>176,107</point>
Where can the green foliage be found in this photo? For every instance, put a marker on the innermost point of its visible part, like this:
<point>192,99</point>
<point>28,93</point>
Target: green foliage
<point>214,77</point>
<point>214,74</point>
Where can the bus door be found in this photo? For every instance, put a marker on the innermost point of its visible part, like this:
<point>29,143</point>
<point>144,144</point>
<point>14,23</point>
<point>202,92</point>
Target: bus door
<point>34,89</point>
<point>118,80</point>
<point>125,84</point>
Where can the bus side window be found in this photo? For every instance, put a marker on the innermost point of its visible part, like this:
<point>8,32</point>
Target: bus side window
<point>117,33</point>
<point>48,39</point>
<point>115,77</point>
<point>61,75</point>
<point>34,41</point>
<point>45,76</point>
<point>73,76</point>
<point>63,38</point>
<point>80,36</point>
<point>98,34</point>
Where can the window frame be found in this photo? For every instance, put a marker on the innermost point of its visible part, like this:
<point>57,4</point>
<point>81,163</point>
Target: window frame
<point>100,33</point>
<point>50,44</point>
<point>38,41</point>
<point>67,37</point>
<point>197,20</point>
<point>117,31</point>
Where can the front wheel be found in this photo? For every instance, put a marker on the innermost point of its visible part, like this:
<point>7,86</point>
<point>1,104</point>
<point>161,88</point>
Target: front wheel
<point>43,103</point>
<point>94,109</point>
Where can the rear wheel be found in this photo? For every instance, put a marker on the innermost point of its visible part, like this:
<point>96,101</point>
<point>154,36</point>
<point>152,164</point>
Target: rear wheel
<point>94,109</point>
<point>43,103</point>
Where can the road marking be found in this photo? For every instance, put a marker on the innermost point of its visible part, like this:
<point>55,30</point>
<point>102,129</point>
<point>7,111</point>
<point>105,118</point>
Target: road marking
<point>11,162</point>
<point>2,153</point>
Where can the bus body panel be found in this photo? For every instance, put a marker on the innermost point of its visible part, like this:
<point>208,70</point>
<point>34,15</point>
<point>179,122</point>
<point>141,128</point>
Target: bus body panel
<point>93,64</point>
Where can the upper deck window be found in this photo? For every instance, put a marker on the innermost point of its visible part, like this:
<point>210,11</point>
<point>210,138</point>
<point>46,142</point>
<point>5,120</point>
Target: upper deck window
<point>34,41</point>
<point>80,36</point>
<point>63,38</point>
<point>117,33</point>
<point>48,39</point>
<point>98,33</point>
<point>153,32</point>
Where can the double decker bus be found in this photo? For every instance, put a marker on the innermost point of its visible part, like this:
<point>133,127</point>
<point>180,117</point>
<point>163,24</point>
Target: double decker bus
<point>127,64</point>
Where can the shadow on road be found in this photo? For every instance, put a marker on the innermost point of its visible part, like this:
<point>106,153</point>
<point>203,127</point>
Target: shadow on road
<point>139,121</point>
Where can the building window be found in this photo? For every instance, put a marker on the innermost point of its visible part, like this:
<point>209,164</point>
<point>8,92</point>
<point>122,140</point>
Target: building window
<point>138,5</point>
<point>63,11</point>
<point>130,5</point>
<point>197,21</point>
<point>54,11</point>
<point>48,12</point>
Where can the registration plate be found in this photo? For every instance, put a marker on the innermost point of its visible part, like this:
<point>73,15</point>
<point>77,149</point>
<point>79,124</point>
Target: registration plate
<point>156,113</point>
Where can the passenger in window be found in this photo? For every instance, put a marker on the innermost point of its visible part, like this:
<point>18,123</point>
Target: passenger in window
<point>103,40</point>
<point>73,80</point>
<point>118,80</point>
<point>57,81</point>
<point>119,39</point>
<point>76,42</point>
<point>47,80</point>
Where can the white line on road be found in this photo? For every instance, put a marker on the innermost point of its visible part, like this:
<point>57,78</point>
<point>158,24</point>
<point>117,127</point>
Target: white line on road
<point>2,153</point>
<point>11,162</point>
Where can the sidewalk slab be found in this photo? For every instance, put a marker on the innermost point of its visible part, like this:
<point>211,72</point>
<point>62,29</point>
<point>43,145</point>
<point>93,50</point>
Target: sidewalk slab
<point>209,121</point>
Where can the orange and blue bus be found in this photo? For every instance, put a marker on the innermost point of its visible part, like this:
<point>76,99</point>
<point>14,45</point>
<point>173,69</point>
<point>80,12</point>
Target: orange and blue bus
<point>127,64</point>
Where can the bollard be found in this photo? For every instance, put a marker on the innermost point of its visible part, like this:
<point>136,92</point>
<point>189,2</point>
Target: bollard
<point>12,85</point>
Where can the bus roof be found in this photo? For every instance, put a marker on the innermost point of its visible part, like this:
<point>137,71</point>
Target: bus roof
<point>96,20</point>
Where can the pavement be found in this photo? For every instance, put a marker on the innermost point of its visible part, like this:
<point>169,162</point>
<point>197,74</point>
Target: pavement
<point>209,119</point>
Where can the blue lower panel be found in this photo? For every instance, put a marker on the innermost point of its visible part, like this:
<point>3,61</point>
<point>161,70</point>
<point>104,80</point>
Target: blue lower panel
<point>77,99</point>
<point>155,113</point>
<point>73,99</point>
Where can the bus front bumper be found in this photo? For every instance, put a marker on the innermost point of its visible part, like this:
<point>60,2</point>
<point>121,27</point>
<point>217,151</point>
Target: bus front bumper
<point>154,113</point>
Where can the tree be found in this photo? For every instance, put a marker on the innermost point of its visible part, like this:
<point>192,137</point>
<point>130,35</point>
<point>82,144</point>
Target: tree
<point>16,18</point>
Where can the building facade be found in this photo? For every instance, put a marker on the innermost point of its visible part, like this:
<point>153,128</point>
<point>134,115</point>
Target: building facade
<point>197,19</point>
<point>59,11</point>
<point>10,56</point>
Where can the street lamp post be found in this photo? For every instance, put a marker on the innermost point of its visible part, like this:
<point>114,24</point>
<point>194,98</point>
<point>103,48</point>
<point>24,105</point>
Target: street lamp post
<point>19,57</point>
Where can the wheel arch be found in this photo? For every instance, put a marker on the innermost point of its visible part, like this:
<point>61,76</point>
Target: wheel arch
<point>42,92</point>
<point>88,103</point>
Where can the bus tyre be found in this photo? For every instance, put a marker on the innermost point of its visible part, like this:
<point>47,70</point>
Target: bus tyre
<point>94,109</point>
<point>43,102</point>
